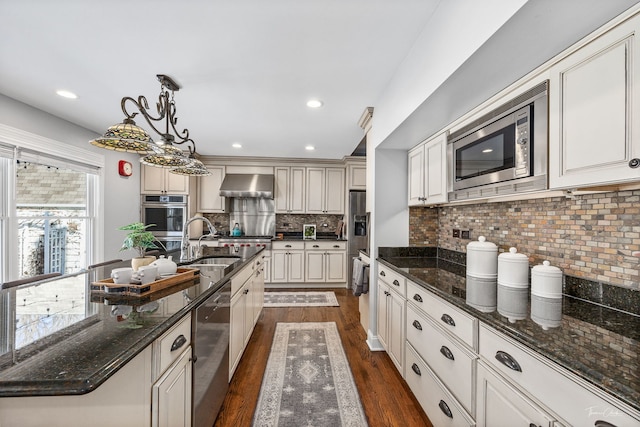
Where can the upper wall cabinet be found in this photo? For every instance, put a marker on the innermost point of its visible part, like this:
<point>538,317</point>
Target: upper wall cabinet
<point>357,176</point>
<point>154,180</point>
<point>289,189</point>
<point>594,117</point>
<point>428,172</point>
<point>325,190</point>
<point>209,199</point>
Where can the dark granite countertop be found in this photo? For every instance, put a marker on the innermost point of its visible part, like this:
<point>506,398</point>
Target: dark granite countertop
<point>86,337</point>
<point>600,344</point>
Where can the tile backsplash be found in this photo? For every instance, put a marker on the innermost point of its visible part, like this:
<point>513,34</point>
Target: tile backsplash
<point>285,223</point>
<point>594,236</point>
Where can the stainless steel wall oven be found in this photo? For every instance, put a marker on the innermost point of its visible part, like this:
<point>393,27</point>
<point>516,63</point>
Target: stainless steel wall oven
<point>168,214</point>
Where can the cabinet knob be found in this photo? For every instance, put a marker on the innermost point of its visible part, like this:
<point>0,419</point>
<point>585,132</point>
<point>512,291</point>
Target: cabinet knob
<point>445,409</point>
<point>507,360</point>
<point>634,163</point>
<point>178,342</point>
<point>448,319</point>
<point>382,273</point>
<point>416,369</point>
<point>444,350</point>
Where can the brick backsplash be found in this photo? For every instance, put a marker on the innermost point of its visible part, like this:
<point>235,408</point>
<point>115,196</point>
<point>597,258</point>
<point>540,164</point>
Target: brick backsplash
<point>589,236</point>
<point>285,223</point>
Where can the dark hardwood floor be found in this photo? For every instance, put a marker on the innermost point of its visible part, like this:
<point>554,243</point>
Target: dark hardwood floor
<point>386,398</point>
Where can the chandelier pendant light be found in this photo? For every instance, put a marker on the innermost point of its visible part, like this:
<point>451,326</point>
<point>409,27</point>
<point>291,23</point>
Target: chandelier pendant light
<point>127,136</point>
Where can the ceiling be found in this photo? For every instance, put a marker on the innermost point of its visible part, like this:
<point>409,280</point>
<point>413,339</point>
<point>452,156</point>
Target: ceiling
<point>246,67</point>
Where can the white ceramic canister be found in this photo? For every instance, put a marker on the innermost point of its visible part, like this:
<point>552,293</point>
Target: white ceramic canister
<point>482,259</point>
<point>513,269</point>
<point>546,281</point>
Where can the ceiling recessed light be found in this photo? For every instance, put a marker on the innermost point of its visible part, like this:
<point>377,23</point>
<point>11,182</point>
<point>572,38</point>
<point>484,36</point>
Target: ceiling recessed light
<point>66,94</point>
<point>487,150</point>
<point>309,148</point>
<point>314,103</point>
<point>236,145</point>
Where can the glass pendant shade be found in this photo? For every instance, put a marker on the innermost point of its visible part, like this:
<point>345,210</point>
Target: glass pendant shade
<point>195,168</point>
<point>166,156</point>
<point>126,136</point>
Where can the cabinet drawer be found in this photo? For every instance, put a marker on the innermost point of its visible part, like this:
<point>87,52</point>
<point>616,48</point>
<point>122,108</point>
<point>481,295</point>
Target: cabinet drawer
<point>396,281</point>
<point>325,245</point>
<point>240,278</point>
<point>572,398</point>
<point>287,244</point>
<point>450,361</point>
<point>172,344</point>
<point>446,315</point>
<point>440,406</point>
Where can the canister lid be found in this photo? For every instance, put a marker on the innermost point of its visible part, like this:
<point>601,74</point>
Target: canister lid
<point>513,255</point>
<point>546,269</point>
<point>482,245</point>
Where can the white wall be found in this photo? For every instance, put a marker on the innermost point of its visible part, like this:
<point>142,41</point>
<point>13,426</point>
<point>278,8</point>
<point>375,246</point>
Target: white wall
<point>121,203</point>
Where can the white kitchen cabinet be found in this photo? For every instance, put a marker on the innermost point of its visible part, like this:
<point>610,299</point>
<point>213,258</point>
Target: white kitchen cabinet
<point>287,262</point>
<point>208,197</point>
<point>241,317</point>
<point>258,288</point>
<point>289,189</point>
<point>501,405</point>
<point>325,190</point>
<point>594,122</point>
<point>391,307</point>
<point>357,177</point>
<point>171,394</point>
<point>440,406</point>
<point>428,172</point>
<point>154,180</point>
<point>325,262</point>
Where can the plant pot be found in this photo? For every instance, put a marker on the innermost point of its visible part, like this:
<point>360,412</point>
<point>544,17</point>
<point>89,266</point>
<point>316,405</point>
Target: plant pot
<point>138,262</point>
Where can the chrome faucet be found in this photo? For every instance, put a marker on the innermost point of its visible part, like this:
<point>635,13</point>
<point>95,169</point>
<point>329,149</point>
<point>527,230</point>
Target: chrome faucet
<point>185,255</point>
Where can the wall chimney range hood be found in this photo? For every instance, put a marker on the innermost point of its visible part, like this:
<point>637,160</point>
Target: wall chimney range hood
<point>247,185</point>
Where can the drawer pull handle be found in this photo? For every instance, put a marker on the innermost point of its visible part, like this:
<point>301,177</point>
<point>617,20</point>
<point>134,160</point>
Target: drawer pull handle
<point>445,408</point>
<point>416,369</point>
<point>417,325</point>
<point>336,246</point>
<point>507,360</point>
<point>316,246</point>
<point>287,246</point>
<point>417,298</point>
<point>448,319</point>
<point>178,342</point>
<point>246,291</point>
<point>395,282</point>
<point>382,273</point>
<point>533,425</point>
<point>446,352</point>
<point>601,423</point>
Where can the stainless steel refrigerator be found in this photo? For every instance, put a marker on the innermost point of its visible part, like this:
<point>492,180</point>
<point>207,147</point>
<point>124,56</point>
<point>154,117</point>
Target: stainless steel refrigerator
<point>357,238</point>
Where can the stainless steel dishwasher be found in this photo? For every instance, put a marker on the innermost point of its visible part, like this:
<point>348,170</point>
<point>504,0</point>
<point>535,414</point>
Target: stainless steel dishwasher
<point>211,356</point>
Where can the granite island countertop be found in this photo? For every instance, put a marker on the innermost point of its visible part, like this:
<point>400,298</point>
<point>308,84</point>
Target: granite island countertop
<point>67,340</point>
<point>599,344</point>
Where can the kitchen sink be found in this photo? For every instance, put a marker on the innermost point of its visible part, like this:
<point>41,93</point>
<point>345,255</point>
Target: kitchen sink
<point>215,261</point>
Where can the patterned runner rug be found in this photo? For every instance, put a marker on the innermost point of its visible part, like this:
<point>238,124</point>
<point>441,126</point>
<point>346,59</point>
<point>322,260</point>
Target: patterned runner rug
<point>300,299</point>
<point>307,381</point>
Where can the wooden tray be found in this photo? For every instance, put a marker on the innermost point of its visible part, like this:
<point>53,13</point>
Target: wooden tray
<point>107,286</point>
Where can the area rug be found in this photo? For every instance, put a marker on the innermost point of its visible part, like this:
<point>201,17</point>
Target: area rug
<point>300,299</point>
<point>307,381</point>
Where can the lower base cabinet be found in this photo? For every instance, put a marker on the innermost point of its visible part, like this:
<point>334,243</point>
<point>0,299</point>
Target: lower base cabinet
<point>171,394</point>
<point>501,405</point>
<point>391,309</point>
<point>440,406</point>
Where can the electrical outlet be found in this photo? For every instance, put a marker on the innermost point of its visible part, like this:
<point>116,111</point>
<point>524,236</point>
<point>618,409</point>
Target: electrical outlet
<point>456,233</point>
<point>465,234</point>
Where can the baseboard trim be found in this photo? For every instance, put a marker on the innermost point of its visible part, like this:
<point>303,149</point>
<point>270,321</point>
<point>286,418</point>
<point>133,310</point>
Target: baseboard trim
<point>304,285</point>
<point>373,342</point>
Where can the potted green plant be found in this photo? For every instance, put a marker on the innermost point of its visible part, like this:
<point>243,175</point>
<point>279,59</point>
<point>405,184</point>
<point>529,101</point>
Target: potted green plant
<point>140,240</point>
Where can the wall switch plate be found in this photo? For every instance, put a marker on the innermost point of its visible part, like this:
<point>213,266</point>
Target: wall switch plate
<point>465,234</point>
<point>456,233</point>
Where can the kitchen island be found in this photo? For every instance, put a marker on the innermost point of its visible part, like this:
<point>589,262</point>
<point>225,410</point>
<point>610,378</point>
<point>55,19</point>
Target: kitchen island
<point>594,346</point>
<point>68,343</point>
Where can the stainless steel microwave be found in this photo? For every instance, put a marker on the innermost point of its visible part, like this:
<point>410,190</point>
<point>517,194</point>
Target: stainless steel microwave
<point>504,151</point>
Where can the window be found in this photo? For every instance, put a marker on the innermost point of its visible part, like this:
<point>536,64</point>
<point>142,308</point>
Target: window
<point>48,207</point>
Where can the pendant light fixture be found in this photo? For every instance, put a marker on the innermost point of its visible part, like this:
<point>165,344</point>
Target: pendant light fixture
<point>129,137</point>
